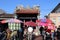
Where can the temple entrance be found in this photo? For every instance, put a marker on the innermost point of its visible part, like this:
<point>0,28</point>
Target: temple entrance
<point>27,17</point>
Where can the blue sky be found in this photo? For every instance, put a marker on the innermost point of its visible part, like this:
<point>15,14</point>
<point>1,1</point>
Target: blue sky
<point>46,6</point>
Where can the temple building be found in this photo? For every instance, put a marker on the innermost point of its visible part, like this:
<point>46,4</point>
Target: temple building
<point>5,16</point>
<point>27,14</point>
<point>21,13</point>
<point>55,15</point>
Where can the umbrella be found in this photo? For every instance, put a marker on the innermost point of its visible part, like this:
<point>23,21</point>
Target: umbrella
<point>48,21</point>
<point>30,23</point>
<point>41,20</point>
<point>37,21</point>
<point>14,21</point>
<point>11,21</point>
<point>51,26</point>
<point>3,21</point>
<point>45,23</point>
<point>42,24</point>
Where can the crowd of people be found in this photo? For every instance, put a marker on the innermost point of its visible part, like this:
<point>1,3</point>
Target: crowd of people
<point>26,34</point>
<point>47,34</point>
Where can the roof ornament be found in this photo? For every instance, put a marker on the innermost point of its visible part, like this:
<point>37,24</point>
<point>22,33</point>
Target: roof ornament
<point>19,7</point>
<point>36,7</point>
<point>28,7</point>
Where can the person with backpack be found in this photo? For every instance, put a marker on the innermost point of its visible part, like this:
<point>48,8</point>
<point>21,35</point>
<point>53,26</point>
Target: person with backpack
<point>58,33</point>
<point>41,30</point>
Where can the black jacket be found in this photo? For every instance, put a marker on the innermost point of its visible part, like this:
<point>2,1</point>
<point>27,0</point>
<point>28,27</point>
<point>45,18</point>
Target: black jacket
<point>58,33</point>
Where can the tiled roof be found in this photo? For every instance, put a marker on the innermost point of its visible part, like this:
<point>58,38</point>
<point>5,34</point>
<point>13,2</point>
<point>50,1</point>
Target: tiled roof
<point>6,15</point>
<point>27,11</point>
<point>2,11</point>
<point>58,6</point>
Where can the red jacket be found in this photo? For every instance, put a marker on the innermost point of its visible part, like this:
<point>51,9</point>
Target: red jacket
<point>48,30</point>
